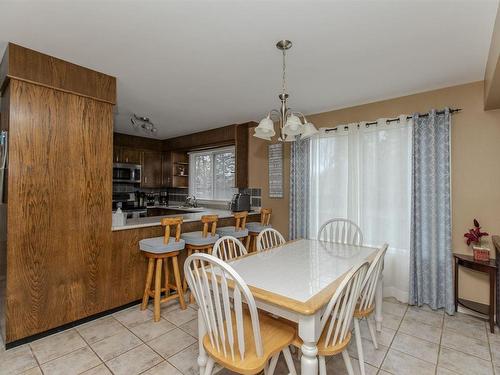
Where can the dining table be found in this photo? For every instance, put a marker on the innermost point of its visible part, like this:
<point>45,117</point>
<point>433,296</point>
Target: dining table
<point>295,281</point>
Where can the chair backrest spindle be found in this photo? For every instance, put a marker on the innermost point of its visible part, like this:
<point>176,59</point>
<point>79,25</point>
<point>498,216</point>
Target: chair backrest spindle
<point>213,282</point>
<point>339,312</point>
<point>342,231</point>
<point>227,248</point>
<point>269,238</point>
<point>367,294</point>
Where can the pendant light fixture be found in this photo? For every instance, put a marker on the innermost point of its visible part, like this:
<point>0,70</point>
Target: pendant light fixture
<point>291,123</point>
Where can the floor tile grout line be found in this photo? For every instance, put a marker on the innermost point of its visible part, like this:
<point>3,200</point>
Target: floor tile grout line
<point>146,343</point>
<point>440,345</point>
<point>36,360</point>
<point>88,344</point>
<point>467,336</point>
<point>393,337</point>
<point>53,359</point>
<point>489,346</point>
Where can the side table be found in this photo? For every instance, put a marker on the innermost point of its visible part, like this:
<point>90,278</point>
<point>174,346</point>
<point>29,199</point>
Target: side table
<point>467,261</point>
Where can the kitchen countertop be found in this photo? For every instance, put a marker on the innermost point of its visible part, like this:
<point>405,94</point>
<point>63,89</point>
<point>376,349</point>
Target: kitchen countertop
<point>143,222</point>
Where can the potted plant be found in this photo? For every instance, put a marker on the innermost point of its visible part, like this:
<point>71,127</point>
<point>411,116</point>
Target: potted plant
<point>474,237</point>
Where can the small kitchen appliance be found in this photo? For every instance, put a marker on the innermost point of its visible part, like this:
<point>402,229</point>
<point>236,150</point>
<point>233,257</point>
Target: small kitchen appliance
<point>240,202</point>
<point>127,173</point>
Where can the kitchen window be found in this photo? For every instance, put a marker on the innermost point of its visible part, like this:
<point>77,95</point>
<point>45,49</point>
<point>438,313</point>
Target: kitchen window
<point>211,174</point>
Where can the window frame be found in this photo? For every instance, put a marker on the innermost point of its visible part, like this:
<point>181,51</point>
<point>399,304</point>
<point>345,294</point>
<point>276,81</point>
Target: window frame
<point>211,152</point>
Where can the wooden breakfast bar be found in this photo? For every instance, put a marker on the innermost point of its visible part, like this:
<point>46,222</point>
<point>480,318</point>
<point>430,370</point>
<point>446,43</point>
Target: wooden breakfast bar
<point>130,266</point>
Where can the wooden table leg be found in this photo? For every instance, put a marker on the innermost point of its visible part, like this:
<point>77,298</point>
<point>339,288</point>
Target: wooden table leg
<point>492,300</point>
<point>456,284</point>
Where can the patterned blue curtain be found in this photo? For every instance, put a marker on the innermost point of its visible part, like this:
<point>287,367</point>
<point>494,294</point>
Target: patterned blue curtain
<point>430,247</point>
<point>299,189</point>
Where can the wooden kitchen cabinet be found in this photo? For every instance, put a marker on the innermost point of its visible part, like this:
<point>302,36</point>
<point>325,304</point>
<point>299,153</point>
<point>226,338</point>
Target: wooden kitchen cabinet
<point>127,155</point>
<point>131,155</point>
<point>166,169</point>
<point>117,154</point>
<point>151,169</point>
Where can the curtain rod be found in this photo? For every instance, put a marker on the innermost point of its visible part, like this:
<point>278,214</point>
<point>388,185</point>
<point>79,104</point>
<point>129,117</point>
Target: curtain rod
<point>453,110</point>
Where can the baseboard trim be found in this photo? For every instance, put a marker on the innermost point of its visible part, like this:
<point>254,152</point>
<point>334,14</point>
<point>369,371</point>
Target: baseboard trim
<point>64,327</point>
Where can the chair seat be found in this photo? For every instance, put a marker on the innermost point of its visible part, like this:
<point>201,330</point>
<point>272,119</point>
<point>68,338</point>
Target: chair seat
<point>358,313</point>
<point>197,239</point>
<point>257,227</point>
<point>231,231</point>
<point>156,245</point>
<point>275,334</point>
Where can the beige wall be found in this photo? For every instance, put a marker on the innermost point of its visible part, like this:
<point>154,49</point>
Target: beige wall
<point>475,142</point>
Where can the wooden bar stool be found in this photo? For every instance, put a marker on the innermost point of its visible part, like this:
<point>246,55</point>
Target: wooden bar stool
<point>256,227</point>
<point>239,229</point>
<point>156,250</point>
<point>201,241</point>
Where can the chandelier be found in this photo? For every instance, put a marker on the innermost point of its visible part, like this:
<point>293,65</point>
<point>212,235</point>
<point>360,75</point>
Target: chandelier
<point>291,123</point>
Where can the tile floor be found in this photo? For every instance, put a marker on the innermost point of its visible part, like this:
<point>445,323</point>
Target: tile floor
<point>412,341</point>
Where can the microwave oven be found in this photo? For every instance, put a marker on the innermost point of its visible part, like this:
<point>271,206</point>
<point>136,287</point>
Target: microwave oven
<point>127,173</point>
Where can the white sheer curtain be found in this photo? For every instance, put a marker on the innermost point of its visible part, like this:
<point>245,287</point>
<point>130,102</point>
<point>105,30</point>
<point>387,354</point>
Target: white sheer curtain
<point>364,174</point>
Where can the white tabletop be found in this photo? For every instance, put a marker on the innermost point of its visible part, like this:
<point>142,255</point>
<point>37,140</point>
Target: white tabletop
<point>300,270</point>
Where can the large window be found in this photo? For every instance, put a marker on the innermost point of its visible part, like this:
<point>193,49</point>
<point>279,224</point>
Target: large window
<point>364,174</point>
<point>211,174</point>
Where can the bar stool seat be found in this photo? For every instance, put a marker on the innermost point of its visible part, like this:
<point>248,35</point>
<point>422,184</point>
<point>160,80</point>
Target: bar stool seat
<point>157,245</point>
<point>197,239</point>
<point>232,231</point>
<point>256,227</point>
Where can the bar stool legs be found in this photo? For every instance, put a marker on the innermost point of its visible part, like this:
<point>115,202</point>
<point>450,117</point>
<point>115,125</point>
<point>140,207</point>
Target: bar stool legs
<point>149,279</point>
<point>157,261</point>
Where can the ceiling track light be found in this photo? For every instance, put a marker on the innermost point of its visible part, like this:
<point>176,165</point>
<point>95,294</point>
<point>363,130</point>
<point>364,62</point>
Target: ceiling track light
<point>144,123</point>
<point>291,123</point>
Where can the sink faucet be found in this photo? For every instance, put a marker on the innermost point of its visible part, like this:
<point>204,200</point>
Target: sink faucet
<point>191,201</point>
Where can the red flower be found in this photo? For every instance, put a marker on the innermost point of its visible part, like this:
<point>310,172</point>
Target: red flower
<point>474,235</point>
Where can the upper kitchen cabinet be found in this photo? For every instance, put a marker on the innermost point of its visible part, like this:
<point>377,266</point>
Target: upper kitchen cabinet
<point>131,155</point>
<point>152,169</point>
<point>127,155</point>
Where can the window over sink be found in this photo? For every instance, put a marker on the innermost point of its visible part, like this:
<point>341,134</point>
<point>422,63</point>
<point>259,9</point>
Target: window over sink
<point>212,173</point>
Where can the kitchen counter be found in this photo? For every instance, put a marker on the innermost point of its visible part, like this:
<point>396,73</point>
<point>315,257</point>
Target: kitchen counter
<point>143,222</point>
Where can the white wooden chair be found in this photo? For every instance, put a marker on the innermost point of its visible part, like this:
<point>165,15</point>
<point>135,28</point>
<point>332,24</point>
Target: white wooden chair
<point>238,337</point>
<point>341,231</point>
<point>228,247</point>
<point>366,304</point>
<point>268,238</point>
<point>337,318</point>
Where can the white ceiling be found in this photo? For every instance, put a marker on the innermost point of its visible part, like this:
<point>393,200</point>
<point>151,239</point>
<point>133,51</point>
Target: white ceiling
<point>194,65</point>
